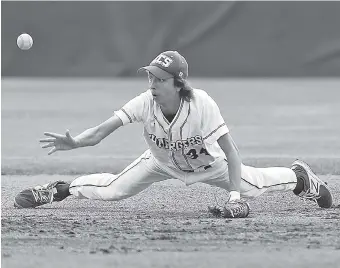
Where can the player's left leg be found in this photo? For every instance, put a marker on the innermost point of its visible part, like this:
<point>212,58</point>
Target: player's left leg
<point>256,181</point>
<point>299,178</point>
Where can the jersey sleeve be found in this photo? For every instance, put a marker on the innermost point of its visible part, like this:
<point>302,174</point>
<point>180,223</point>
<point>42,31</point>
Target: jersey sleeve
<point>213,125</point>
<point>135,110</point>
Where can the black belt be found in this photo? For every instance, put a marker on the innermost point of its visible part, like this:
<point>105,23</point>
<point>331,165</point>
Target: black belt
<point>197,170</point>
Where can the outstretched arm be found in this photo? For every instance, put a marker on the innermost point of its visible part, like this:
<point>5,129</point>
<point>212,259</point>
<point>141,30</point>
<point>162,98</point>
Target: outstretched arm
<point>89,137</point>
<point>230,149</point>
<point>93,136</point>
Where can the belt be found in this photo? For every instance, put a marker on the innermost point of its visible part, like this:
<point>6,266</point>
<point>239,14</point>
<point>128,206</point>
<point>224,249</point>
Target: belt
<point>199,169</point>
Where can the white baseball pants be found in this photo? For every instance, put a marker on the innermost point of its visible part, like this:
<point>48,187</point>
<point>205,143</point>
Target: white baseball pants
<point>146,170</point>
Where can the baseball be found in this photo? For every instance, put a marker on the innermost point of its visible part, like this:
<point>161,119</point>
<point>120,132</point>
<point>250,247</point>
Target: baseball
<point>24,41</point>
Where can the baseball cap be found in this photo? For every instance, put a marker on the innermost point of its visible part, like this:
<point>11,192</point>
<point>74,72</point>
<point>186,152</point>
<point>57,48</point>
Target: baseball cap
<point>168,64</point>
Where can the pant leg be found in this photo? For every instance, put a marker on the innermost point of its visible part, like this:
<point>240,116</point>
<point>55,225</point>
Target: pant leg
<point>110,187</point>
<point>256,181</point>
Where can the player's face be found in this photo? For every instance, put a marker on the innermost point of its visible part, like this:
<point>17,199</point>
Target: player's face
<point>163,90</point>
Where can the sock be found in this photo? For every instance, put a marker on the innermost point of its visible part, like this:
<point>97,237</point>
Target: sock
<point>299,186</point>
<point>63,191</point>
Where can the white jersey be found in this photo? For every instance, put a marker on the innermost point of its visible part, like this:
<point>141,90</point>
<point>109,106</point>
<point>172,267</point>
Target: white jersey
<point>187,143</point>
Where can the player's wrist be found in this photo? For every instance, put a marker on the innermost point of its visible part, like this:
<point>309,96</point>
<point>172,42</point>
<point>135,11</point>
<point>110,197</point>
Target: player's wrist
<point>234,195</point>
<point>76,142</point>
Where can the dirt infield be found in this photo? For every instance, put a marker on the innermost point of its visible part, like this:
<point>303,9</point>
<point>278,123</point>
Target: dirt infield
<point>167,225</point>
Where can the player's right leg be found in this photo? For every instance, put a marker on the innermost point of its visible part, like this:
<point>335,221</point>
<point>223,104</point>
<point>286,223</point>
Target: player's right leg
<point>104,186</point>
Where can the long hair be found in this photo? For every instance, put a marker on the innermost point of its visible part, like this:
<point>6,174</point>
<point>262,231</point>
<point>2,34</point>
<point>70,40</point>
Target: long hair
<point>186,91</point>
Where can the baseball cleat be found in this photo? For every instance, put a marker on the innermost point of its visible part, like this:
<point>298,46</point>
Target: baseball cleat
<point>40,195</point>
<point>313,187</point>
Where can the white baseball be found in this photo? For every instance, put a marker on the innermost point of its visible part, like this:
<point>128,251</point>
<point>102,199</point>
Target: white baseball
<point>24,41</point>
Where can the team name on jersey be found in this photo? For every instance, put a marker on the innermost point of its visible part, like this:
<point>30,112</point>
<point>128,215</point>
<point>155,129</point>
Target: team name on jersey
<point>176,145</point>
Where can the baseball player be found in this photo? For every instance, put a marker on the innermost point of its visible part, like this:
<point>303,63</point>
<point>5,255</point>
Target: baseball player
<point>188,140</point>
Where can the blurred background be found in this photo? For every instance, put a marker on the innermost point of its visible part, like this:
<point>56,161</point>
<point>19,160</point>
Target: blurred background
<point>272,67</point>
<point>219,39</point>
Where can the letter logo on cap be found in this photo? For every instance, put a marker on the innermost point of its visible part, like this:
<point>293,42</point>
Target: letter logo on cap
<point>163,60</point>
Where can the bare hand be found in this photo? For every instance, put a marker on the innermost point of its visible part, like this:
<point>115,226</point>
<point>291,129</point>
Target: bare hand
<point>58,142</point>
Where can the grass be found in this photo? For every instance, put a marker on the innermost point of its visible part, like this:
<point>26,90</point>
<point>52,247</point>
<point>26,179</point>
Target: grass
<point>273,122</point>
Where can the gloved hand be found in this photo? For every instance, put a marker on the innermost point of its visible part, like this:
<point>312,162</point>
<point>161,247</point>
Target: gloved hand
<point>234,208</point>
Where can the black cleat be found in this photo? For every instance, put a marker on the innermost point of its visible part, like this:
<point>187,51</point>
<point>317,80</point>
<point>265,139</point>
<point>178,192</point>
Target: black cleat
<point>40,195</point>
<point>314,188</point>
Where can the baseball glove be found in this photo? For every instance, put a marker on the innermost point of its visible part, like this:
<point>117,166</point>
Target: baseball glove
<point>232,209</point>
